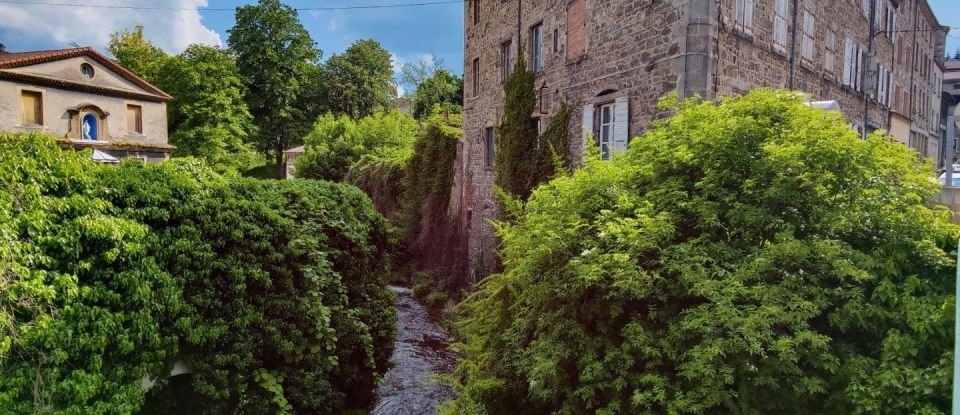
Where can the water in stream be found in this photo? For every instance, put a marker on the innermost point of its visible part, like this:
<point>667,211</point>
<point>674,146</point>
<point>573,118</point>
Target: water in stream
<point>420,353</point>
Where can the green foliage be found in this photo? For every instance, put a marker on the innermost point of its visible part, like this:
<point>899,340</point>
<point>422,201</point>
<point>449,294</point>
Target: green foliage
<point>747,256</point>
<point>3,49</point>
<point>336,143</point>
<point>208,116</point>
<point>272,292</point>
<point>139,55</point>
<point>81,299</point>
<point>524,159</point>
<point>441,89</point>
<point>275,56</point>
<point>429,174</point>
<point>283,279</point>
<point>359,82</point>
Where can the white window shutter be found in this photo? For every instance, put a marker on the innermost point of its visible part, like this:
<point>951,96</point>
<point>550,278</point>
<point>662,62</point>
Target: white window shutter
<point>881,84</point>
<point>621,126</point>
<point>858,69</point>
<point>847,62</point>
<point>748,13</point>
<point>587,124</point>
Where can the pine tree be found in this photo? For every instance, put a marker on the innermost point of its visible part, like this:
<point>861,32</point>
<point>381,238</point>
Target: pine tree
<point>516,139</point>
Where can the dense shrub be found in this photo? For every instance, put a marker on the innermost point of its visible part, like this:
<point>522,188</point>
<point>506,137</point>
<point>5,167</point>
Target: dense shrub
<point>748,256</point>
<point>82,301</point>
<point>287,308</point>
<point>272,292</point>
<point>336,143</point>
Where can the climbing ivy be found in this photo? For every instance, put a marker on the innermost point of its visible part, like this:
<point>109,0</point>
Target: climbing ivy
<point>523,158</point>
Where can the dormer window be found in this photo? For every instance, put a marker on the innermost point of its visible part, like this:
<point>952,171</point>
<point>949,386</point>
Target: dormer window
<point>86,70</point>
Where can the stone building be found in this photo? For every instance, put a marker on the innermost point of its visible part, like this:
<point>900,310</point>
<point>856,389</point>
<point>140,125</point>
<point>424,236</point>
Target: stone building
<point>86,100</point>
<point>614,59</point>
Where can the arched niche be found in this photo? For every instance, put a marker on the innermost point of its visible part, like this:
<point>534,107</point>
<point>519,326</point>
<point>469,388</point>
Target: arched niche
<point>88,122</point>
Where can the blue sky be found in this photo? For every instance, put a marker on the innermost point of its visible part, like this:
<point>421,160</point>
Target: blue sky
<point>409,33</point>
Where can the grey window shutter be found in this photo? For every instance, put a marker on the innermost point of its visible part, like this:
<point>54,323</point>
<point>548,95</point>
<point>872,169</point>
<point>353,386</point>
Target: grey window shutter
<point>621,124</point>
<point>587,124</point>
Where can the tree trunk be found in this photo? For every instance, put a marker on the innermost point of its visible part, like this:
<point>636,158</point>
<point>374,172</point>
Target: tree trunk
<point>281,169</point>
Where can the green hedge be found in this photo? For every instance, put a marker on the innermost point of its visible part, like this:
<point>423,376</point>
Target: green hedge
<point>752,256</point>
<point>277,301</point>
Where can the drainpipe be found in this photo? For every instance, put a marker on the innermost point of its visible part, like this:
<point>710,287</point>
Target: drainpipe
<point>913,66</point>
<point>793,44</point>
<point>868,61</point>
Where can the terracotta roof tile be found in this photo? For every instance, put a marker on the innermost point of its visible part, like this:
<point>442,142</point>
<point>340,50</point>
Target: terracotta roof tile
<point>19,59</point>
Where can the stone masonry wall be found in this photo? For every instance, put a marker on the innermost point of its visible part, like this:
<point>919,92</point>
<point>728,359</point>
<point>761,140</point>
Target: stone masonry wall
<point>644,49</point>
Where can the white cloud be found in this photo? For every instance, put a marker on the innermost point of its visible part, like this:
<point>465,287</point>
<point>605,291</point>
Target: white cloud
<point>171,30</point>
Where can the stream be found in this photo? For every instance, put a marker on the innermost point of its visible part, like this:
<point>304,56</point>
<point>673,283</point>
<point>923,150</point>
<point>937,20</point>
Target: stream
<point>420,353</point>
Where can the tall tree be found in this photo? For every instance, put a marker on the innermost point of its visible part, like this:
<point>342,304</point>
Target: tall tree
<point>138,54</point>
<point>359,82</point>
<point>274,56</point>
<point>209,118</point>
<point>412,75</point>
<point>440,88</point>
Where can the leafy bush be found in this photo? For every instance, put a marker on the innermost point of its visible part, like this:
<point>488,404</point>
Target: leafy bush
<point>272,292</point>
<point>287,309</point>
<point>746,256</point>
<point>336,143</point>
<point>82,301</point>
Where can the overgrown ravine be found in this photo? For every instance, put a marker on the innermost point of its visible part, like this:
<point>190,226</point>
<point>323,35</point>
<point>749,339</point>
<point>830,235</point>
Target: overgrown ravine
<point>420,353</point>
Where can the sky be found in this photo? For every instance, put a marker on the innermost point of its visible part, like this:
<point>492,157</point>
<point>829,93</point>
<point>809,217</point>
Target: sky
<point>409,33</point>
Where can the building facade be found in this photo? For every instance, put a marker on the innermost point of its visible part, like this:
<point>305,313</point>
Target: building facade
<point>878,60</point>
<point>86,100</point>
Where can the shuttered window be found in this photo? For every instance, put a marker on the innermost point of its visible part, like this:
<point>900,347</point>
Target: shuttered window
<point>743,11</point>
<point>607,122</point>
<point>848,56</point>
<point>31,103</point>
<point>830,56</point>
<point>809,33</point>
<point>488,146</point>
<point>134,119</point>
<point>781,8</point>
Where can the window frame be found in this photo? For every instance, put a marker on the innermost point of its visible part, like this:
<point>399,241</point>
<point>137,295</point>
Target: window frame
<point>610,124</point>
<point>476,77</point>
<point>743,16</point>
<point>39,114</point>
<point>536,48</point>
<point>138,123</point>
<point>489,146</point>
<point>476,12</point>
<point>506,65</point>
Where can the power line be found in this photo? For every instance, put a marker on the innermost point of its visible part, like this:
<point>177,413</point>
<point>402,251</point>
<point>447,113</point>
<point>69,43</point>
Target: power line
<point>156,8</point>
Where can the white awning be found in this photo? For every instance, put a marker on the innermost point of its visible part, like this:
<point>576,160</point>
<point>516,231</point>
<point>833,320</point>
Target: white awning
<point>102,157</point>
<point>830,106</point>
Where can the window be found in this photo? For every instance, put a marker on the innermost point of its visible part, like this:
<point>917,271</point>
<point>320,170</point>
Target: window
<point>476,77</point>
<point>31,104</point>
<point>576,30</point>
<point>556,40</point>
<point>488,146</point>
<point>743,11</point>
<point>134,119</point>
<point>536,48</point>
<point>830,56</point>
<point>891,23</point>
<point>780,26</point>
<point>865,6</point>
<point>476,12</point>
<point>809,31</point>
<point>506,63</point>
<point>606,130</point>
<point>852,64</point>
<point>86,70</point>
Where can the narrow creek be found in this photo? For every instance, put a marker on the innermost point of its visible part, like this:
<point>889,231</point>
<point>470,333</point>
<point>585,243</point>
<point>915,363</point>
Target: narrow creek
<point>420,353</point>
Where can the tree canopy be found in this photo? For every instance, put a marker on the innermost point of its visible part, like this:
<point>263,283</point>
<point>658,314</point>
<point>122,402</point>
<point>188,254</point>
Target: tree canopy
<point>752,255</point>
<point>274,54</point>
<point>441,89</point>
<point>208,116</point>
<point>139,55</point>
<point>359,82</point>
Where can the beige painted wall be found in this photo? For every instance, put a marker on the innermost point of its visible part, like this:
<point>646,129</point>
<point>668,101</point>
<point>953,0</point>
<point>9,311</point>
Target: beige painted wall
<point>69,69</point>
<point>57,120</point>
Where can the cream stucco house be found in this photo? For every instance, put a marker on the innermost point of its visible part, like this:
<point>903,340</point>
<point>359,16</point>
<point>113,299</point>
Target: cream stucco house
<point>87,101</point>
